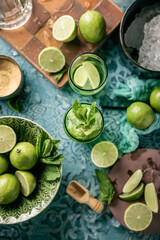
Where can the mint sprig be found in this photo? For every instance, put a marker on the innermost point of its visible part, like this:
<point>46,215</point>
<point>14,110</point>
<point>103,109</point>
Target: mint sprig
<point>48,154</point>
<point>87,118</point>
<point>105,186</point>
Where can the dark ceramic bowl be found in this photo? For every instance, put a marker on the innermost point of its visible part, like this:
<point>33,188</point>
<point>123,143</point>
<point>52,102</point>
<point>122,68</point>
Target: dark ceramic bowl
<point>132,31</point>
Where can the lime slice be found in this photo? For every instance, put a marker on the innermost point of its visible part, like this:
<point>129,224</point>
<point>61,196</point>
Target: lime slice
<point>51,59</point>
<point>92,74</point>
<point>138,216</point>
<point>133,181</point>
<point>134,195</point>
<point>150,197</point>
<point>7,138</point>
<point>80,77</point>
<point>104,154</point>
<point>65,29</point>
<point>27,181</point>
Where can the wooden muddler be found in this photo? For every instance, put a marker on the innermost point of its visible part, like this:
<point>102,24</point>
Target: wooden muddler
<point>81,195</point>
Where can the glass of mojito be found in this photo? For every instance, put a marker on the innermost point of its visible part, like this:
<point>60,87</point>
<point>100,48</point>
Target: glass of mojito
<point>83,122</point>
<point>88,74</point>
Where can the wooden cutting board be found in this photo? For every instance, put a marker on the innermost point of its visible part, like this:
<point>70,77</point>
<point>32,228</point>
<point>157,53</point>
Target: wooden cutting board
<point>36,34</point>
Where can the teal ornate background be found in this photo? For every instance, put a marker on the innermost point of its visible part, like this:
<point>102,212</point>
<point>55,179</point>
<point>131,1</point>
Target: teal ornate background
<point>65,219</point>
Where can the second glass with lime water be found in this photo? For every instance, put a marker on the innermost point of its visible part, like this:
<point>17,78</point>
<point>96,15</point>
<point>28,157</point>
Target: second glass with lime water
<point>88,74</point>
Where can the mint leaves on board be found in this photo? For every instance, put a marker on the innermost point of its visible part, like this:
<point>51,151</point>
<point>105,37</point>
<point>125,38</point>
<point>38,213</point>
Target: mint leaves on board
<point>105,186</point>
<point>48,154</point>
<point>87,118</point>
<point>59,75</point>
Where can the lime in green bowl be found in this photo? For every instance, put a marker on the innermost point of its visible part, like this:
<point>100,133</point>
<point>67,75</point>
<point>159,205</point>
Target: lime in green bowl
<point>25,208</point>
<point>88,74</point>
<point>80,134</point>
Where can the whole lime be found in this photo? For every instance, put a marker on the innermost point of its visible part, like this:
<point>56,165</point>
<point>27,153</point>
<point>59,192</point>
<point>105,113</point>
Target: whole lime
<point>9,188</point>
<point>23,156</point>
<point>3,164</point>
<point>155,99</point>
<point>92,26</point>
<point>140,115</point>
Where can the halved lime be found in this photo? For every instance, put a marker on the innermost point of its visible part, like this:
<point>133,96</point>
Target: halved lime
<point>51,59</point>
<point>27,181</point>
<point>104,154</point>
<point>7,138</point>
<point>80,77</point>
<point>138,216</point>
<point>92,74</point>
<point>133,181</point>
<point>150,197</point>
<point>65,29</point>
<point>133,195</point>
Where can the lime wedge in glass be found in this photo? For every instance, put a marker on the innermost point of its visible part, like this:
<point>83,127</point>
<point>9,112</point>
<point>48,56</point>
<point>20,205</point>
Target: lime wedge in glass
<point>65,29</point>
<point>27,181</point>
<point>104,154</point>
<point>51,59</point>
<point>133,181</point>
<point>138,216</point>
<point>80,77</point>
<point>7,138</point>
<point>92,74</point>
<point>150,197</point>
<point>134,195</point>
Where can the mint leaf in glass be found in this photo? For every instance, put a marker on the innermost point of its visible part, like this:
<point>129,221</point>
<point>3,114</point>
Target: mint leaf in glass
<point>105,186</point>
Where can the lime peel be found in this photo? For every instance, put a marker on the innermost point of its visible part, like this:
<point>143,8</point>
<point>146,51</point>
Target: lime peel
<point>133,195</point>
<point>150,197</point>
<point>133,181</point>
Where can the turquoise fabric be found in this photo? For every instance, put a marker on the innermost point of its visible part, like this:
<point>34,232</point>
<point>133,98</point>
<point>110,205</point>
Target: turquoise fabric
<point>135,89</point>
<point>130,135</point>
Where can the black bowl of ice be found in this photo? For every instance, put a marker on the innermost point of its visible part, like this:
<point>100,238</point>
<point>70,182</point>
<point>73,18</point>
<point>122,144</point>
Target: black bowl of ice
<point>140,35</point>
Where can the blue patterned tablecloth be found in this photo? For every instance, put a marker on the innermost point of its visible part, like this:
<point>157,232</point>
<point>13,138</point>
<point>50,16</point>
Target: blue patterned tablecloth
<point>65,219</point>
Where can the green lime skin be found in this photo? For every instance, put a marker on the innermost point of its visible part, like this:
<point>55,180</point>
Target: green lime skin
<point>140,115</point>
<point>155,99</point>
<point>92,26</point>
<point>23,156</point>
<point>4,163</point>
<point>9,188</point>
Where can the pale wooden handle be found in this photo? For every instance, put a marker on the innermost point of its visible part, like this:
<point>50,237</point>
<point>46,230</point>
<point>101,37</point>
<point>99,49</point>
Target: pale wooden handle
<point>95,204</point>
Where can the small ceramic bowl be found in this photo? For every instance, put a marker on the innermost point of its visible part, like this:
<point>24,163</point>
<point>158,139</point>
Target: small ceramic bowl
<point>132,31</point>
<point>11,79</point>
<point>25,208</point>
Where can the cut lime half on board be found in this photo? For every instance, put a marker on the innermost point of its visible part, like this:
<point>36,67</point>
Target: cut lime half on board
<point>133,195</point>
<point>65,29</point>
<point>133,181</point>
<point>51,59</point>
<point>150,197</point>
<point>138,216</point>
<point>7,138</point>
<point>104,154</point>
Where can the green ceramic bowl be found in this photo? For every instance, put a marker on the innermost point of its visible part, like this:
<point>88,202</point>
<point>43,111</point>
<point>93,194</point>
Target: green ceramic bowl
<point>25,208</point>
